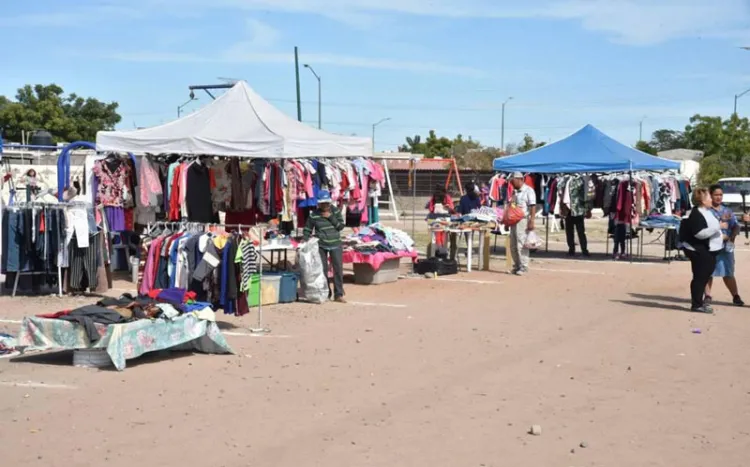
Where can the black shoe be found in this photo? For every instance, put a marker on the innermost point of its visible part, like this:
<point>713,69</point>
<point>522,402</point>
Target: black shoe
<point>571,253</point>
<point>738,301</point>
<point>707,300</point>
<point>702,309</point>
<point>586,253</point>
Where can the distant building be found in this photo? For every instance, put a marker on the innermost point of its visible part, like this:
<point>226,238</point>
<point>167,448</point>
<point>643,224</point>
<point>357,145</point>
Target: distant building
<point>689,161</point>
<point>681,154</point>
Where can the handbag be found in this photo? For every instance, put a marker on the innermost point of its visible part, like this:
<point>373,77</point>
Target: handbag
<point>513,215</point>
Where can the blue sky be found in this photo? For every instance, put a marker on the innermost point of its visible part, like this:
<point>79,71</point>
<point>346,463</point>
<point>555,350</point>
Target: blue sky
<point>427,64</point>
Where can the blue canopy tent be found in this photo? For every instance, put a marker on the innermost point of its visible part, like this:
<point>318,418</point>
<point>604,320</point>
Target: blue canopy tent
<point>586,151</point>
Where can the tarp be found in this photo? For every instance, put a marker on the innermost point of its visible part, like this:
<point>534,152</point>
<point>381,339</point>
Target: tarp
<point>238,123</point>
<point>586,151</point>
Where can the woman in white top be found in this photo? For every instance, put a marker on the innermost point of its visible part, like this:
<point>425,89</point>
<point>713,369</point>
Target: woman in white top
<point>702,239</point>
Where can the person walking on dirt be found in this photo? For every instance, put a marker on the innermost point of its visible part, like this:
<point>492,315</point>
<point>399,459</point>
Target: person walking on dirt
<point>725,258</point>
<point>700,234</point>
<point>524,198</point>
<point>326,224</point>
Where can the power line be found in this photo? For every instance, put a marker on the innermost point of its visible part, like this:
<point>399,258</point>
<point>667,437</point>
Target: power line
<point>484,108</point>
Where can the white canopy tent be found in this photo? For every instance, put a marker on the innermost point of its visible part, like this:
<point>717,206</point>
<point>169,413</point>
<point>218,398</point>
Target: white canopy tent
<point>238,123</point>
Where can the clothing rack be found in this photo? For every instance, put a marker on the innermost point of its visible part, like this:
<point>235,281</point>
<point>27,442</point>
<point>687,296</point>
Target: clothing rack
<point>260,329</point>
<point>45,205</point>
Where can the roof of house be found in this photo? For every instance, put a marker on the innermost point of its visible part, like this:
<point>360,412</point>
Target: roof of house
<point>422,165</point>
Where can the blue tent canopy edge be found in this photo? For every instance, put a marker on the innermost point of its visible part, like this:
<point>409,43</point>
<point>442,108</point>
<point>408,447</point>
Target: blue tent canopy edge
<point>586,151</point>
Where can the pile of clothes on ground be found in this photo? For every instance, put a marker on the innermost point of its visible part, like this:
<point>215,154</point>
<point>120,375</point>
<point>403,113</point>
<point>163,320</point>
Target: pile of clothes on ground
<point>661,221</point>
<point>378,238</point>
<point>159,304</point>
<point>484,217</point>
<point>7,345</point>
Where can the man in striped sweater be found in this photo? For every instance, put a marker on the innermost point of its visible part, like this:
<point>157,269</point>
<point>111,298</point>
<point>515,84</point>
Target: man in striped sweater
<point>326,224</point>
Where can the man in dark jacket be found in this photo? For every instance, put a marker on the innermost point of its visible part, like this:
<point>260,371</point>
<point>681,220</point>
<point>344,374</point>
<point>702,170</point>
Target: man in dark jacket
<point>326,224</point>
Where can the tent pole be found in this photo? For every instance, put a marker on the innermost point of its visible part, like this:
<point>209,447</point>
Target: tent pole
<point>260,329</point>
<point>631,211</point>
<point>413,198</point>
<point>296,73</point>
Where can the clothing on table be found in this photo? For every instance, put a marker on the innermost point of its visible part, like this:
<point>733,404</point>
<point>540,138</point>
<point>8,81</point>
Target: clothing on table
<point>90,315</point>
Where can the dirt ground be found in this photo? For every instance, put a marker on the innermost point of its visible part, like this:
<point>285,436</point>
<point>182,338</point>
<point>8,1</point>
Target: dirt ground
<point>447,372</point>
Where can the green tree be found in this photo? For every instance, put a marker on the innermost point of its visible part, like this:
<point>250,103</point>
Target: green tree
<point>648,148</point>
<point>413,145</point>
<point>665,140</point>
<point>67,118</point>
<point>725,145</point>
<point>528,144</point>
<point>432,147</point>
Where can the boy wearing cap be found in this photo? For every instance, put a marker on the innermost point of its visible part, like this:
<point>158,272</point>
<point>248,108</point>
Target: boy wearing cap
<point>326,224</point>
<point>525,199</point>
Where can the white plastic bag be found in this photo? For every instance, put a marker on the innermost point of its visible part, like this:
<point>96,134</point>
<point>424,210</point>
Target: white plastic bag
<point>533,241</point>
<point>312,280</point>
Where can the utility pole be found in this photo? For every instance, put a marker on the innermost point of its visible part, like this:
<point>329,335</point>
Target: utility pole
<point>296,73</point>
<point>736,97</point>
<point>374,125</point>
<point>502,125</point>
<point>180,107</point>
<point>320,101</point>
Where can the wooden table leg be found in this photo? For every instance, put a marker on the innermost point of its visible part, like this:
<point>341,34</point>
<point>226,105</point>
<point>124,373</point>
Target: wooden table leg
<point>469,251</point>
<point>453,245</point>
<point>484,245</point>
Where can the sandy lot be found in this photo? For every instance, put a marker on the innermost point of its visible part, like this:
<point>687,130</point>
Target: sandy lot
<point>418,373</point>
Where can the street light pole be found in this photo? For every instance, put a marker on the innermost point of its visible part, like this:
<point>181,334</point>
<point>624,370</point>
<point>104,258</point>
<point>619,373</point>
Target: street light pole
<point>502,125</point>
<point>320,104</point>
<point>374,125</point>
<point>736,97</point>
<point>180,107</point>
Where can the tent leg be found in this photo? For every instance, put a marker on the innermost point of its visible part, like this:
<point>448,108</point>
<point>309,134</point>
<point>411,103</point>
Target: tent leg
<point>394,207</point>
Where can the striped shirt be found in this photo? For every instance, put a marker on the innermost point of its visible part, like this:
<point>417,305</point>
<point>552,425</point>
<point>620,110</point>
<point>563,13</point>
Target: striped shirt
<point>247,255</point>
<point>326,229</point>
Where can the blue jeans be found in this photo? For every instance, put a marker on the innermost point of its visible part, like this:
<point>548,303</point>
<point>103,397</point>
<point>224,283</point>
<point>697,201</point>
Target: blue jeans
<point>14,252</point>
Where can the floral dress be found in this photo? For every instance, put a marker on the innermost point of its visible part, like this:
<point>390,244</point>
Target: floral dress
<point>113,189</point>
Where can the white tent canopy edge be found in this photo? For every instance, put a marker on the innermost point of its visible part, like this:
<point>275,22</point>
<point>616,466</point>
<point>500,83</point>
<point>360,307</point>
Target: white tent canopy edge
<point>239,123</point>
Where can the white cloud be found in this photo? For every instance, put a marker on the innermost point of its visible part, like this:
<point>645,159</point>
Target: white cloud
<point>638,22</point>
<point>262,35</point>
<point>240,54</point>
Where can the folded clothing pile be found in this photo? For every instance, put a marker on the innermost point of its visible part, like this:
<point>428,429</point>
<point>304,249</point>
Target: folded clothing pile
<point>478,218</point>
<point>379,238</point>
<point>159,304</point>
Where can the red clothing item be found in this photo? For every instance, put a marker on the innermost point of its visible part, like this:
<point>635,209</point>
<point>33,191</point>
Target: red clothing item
<point>54,315</point>
<point>278,190</point>
<point>447,203</point>
<point>174,198</point>
<point>129,219</point>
